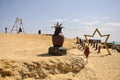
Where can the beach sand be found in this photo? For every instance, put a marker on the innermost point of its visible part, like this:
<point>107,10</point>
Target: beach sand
<point>20,54</point>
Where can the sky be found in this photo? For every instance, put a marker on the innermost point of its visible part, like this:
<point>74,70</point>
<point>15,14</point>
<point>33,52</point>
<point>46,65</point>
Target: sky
<point>79,17</point>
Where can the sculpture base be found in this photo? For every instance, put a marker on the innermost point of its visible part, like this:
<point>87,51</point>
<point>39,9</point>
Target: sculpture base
<point>58,51</point>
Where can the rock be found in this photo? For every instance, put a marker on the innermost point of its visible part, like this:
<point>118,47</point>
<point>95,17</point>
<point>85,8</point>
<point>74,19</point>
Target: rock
<point>58,51</point>
<point>6,72</point>
<point>43,69</point>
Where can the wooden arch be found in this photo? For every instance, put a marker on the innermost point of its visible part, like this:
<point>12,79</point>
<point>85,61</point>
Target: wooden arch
<point>105,43</point>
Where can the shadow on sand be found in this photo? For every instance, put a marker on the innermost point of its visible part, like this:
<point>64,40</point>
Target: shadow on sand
<point>105,55</point>
<point>101,55</point>
<point>44,55</point>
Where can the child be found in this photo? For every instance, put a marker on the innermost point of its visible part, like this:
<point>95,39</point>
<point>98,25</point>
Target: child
<point>86,51</point>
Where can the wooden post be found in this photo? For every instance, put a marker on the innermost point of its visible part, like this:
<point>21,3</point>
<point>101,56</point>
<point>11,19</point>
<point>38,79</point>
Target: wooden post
<point>99,48</point>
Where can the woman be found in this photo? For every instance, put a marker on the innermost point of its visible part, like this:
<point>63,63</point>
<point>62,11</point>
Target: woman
<point>86,51</point>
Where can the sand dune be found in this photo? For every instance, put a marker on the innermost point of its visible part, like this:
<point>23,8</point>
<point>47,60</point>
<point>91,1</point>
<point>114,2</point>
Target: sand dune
<point>24,56</point>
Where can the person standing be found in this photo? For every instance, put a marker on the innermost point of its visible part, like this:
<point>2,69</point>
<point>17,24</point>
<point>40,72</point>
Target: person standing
<point>39,31</point>
<point>86,51</point>
<point>6,29</point>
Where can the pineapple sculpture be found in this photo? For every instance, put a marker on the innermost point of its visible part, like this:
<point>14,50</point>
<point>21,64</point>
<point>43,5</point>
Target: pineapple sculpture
<point>57,40</point>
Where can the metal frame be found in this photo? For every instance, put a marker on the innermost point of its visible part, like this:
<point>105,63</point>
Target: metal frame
<point>18,24</point>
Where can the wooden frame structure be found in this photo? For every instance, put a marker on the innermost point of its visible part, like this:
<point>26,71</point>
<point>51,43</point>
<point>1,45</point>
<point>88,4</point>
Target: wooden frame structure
<point>105,43</point>
<point>17,26</point>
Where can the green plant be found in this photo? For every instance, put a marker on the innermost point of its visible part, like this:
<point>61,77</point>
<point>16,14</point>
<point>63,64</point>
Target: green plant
<point>58,25</point>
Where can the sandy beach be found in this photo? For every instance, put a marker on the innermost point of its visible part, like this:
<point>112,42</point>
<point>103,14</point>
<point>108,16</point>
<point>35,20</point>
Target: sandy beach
<point>25,57</point>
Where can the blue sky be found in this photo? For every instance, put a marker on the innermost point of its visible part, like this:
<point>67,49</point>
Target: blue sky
<point>79,17</point>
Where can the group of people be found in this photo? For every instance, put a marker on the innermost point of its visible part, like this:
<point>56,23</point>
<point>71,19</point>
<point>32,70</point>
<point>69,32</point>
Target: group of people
<point>19,30</point>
